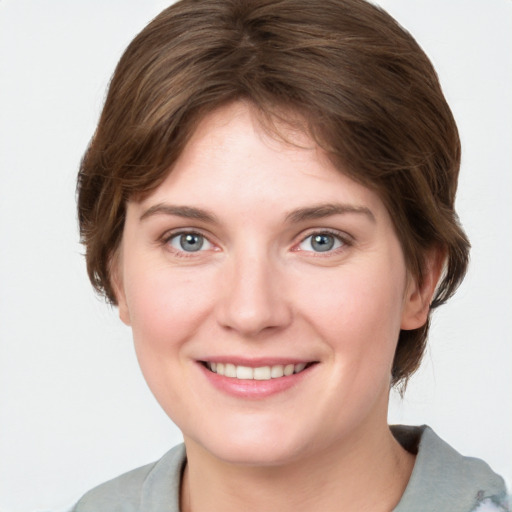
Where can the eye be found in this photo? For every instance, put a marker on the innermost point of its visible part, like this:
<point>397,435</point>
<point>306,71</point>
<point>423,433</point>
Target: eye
<point>321,242</point>
<point>189,242</point>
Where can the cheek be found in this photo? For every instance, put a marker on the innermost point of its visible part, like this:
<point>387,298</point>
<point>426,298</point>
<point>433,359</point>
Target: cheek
<point>166,307</point>
<point>357,310</point>
<point>166,311</point>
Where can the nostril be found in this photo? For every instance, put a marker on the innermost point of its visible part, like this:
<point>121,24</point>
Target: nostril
<point>253,300</point>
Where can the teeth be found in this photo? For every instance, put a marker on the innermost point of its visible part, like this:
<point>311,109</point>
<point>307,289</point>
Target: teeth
<point>277,371</point>
<point>299,367</point>
<point>288,370</point>
<point>230,370</point>
<point>260,373</point>
<point>244,372</point>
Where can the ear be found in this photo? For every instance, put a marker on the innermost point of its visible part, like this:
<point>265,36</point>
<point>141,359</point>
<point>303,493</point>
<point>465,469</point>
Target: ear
<point>117,281</point>
<point>417,298</point>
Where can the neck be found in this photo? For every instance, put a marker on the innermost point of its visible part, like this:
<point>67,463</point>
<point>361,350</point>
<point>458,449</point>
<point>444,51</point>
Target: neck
<point>366,473</point>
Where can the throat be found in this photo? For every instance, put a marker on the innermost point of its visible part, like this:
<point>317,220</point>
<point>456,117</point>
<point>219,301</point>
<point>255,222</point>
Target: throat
<point>352,483</point>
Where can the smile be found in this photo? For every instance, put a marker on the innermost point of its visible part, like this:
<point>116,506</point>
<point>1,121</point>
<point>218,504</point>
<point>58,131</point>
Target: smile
<point>258,373</point>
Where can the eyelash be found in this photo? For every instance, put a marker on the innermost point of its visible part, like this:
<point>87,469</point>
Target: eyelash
<point>343,238</point>
<point>168,237</point>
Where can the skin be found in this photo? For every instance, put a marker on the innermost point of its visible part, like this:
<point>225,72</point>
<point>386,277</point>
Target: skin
<point>258,288</point>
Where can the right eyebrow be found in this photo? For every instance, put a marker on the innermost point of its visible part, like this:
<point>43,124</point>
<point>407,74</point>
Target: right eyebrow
<point>186,212</point>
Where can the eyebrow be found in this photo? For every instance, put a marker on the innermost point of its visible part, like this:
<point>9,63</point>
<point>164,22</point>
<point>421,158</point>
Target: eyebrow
<point>295,216</point>
<point>186,212</point>
<point>326,210</point>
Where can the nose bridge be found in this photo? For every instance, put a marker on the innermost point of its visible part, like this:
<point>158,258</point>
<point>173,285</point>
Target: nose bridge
<point>254,299</point>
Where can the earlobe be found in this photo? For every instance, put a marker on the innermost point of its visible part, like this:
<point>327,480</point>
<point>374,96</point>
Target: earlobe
<point>124,314</point>
<point>118,287</point>
<point>418,298</point>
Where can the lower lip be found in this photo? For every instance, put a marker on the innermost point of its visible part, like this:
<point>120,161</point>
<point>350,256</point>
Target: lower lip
<point>254,389</point>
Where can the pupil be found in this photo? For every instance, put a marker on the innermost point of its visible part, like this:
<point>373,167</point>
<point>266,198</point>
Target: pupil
<point>322,243</point>
<point>191,242</point>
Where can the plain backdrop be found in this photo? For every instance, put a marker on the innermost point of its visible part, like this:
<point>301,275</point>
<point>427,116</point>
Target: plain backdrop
<point>74,409</point>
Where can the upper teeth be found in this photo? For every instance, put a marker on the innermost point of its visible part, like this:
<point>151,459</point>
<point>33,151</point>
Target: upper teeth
<point>258,373</point>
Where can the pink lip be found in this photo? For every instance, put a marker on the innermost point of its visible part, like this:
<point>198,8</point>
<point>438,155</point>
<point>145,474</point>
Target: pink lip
<point>254,389</point>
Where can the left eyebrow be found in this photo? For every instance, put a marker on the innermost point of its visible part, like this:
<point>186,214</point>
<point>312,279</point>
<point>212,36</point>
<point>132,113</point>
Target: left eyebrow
<point>326,210</point>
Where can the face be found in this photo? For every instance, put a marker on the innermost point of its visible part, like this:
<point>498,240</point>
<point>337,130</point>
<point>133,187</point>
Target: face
<point>266,291</point>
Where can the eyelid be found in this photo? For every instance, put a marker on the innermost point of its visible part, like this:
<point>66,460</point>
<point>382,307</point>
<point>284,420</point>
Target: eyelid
<point>345,239</point>
<point>166,238</point>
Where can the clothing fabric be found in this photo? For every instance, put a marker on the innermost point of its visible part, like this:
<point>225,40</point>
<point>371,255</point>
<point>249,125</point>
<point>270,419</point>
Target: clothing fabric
<point>442,481</point>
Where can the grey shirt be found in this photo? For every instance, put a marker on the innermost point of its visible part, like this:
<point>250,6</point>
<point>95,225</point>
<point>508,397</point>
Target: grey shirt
<point>442,481</point>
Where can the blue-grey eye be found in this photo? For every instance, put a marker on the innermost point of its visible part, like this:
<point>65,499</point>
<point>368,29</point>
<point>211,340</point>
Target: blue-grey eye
<point>320,242</point>
<point>189,242</point>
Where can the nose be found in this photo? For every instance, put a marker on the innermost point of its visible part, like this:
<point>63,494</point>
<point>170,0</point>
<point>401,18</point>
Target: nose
<point>254,298</point>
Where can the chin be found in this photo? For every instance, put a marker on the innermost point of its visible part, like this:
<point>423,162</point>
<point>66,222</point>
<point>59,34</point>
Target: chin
<point>254,454</point>
<point>257,445</point>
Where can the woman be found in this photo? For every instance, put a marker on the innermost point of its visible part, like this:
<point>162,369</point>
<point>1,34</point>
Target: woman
<point>269,200</point>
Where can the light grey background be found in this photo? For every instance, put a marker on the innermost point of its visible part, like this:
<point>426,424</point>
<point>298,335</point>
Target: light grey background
<point>74,409</point>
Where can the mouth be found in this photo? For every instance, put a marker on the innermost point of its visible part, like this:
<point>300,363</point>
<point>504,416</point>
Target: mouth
<point>261,373</point>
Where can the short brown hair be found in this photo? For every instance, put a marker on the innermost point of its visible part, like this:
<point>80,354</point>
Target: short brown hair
<point>366,91</point>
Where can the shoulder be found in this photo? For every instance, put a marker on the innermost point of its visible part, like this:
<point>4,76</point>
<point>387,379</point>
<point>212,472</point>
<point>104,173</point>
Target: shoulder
<point>146,488</point>
<point>490,505</point>
<point>443,479</point>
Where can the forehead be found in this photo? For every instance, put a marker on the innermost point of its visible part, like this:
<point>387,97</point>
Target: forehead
<point>234,157</point>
